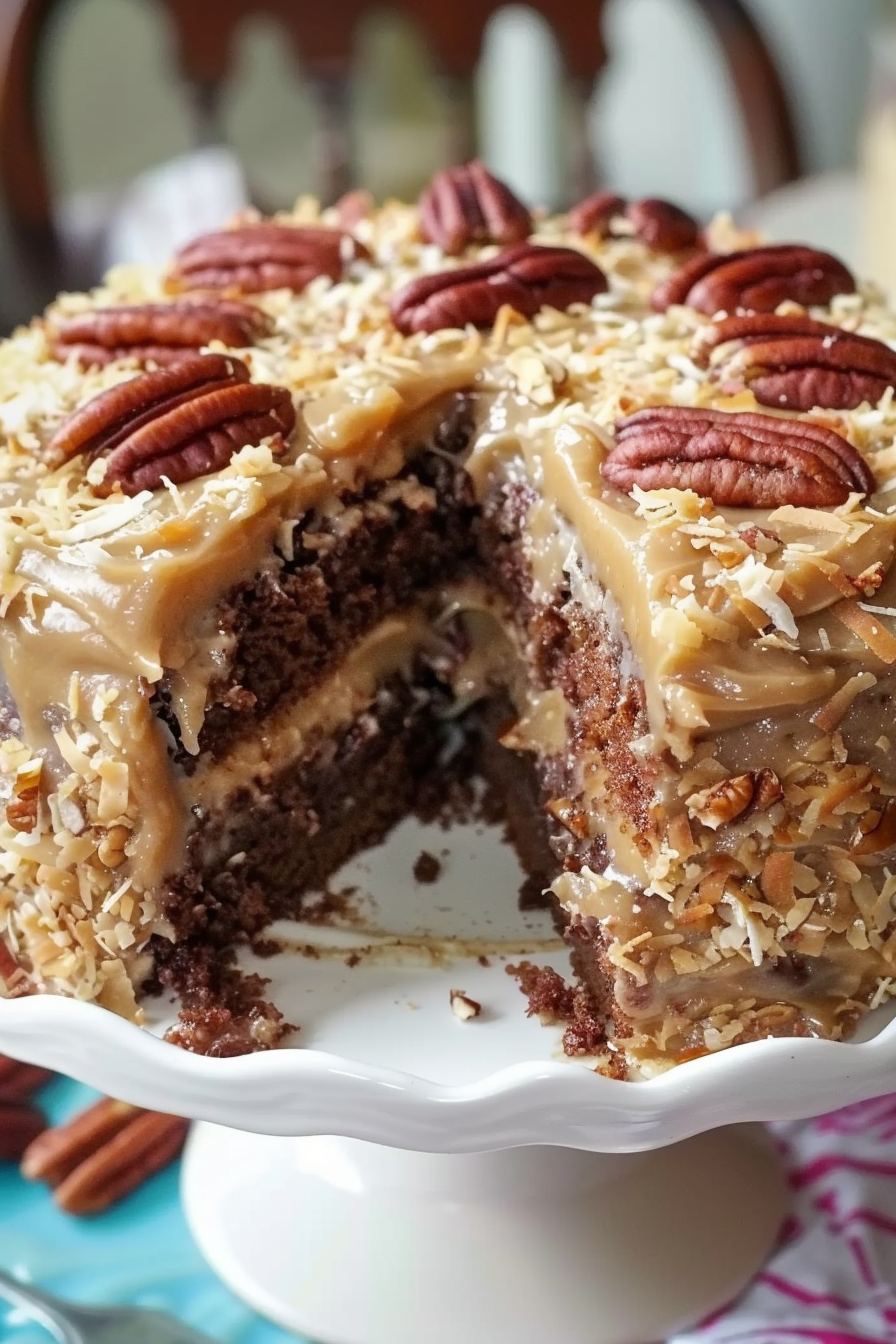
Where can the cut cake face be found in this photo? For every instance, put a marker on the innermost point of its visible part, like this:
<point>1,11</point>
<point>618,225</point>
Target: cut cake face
<point>614,494</point>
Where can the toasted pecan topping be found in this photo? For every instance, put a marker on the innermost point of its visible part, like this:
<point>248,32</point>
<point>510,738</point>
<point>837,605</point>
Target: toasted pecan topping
<point>756,280</point>
<point>21,811</point>
<point>768,789</point>
<point>526,278</point>
<point>663,226</point>
<point>180,422</point>
<point>468,204</point>
<point>570,816</point>
<point>724,802</point>
<point>740,459</point>
<point>793,362</point>
<point>157,332</point>
<point>747,328</point>
<point>103,421</point>
<point>596,213</point>
<point>354,206</point>
<point>660,224</point>
<point>732,798</point>
<point>258,257</point>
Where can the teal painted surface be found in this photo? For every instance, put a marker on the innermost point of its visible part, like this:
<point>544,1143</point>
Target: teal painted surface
<point>140,1253</point>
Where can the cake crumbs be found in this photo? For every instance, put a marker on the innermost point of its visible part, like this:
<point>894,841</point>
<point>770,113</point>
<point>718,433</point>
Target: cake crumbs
<point>554,1002</point>
<point>427,868</point>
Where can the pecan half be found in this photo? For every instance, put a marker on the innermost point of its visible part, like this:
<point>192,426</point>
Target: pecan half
<point>161,332</point>
<point>526,277</point>
<point>180,422</point>
<point>103,1154</point>
<point>794,362</point>
<point>18,1082</point>
<point>354,206</point>
<point>103,421</point>
<point>769,789</point>
<point>659,224</point>
<point>724,802</point>
<point>468,204</point>
<point>663,226</point>
<point>740,459</point>
<point>595,214</point>
<point>21,811</point>
<point>257,257</point>
<point>757,279</point>
<point>731,799</point>
<point>463,1007</point>
<point>20,1125</point>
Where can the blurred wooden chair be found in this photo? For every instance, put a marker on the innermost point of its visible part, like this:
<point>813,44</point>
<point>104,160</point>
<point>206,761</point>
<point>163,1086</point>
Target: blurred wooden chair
<point>323,36</point>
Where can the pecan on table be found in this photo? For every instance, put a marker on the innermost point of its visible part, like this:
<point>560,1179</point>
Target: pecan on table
<point>741,459</point>
<point>20,1121</point>
<point>794,362</point>
<point>160,332</point>
<point>755,280</point>
<point>467,204</point>
<point>526,277</point>
<point>103,1154</point>
<point>180,422</point>
<point>20,1125</point>
<point>659,224</point>
<point>19,1082</point>
<point>258,257</point>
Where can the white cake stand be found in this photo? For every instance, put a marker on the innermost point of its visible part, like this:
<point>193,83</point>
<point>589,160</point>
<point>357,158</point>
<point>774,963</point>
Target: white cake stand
<point>474,1185</point>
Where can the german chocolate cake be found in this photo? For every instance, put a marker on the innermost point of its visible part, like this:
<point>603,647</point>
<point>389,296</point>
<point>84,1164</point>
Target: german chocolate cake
<point>609,494</point>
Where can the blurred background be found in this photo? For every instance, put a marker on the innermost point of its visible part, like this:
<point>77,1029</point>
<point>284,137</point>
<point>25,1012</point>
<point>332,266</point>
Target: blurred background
<point>127,126</point>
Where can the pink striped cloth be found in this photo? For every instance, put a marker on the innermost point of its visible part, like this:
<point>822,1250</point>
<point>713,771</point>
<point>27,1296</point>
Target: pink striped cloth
<point>832,1279</point>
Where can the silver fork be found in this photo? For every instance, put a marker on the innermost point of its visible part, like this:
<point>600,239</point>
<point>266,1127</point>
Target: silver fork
<point>71,1324</point>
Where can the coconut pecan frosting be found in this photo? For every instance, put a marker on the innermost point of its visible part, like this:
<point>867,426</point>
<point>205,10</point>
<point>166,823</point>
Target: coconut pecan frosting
<point>685,439</point>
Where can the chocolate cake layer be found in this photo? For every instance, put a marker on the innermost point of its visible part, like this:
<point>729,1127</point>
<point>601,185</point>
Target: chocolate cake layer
<point>606,832</point>
<point>344,572</point>
<point>570,649</point>
<point>258,859</point>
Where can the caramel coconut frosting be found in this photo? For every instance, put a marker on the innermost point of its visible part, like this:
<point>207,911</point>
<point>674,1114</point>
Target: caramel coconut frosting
<point>271,516</point>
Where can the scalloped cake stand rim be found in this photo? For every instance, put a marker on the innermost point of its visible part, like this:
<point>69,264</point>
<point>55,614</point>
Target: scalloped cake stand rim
<point>427,1198</point>
<point>303,1092</point>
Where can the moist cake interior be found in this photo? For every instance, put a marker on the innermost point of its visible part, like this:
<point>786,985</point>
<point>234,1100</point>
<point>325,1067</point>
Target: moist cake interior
<point>602,497</point>
<point>384,660</point>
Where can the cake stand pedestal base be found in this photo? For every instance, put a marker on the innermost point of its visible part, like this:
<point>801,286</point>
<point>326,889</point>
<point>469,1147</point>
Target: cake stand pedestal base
<point>351,1243</point>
